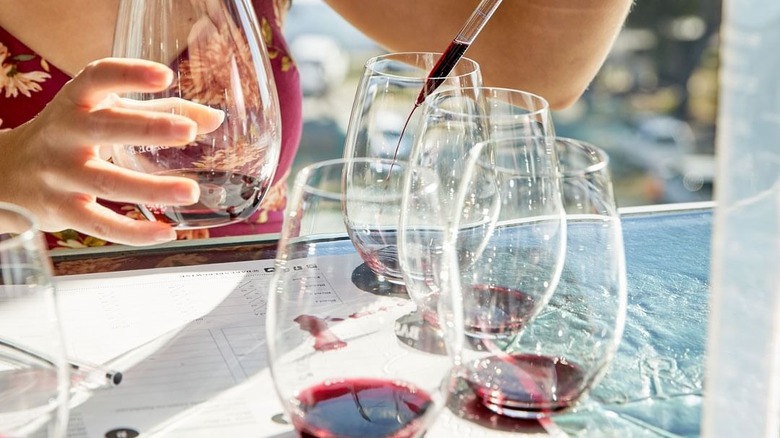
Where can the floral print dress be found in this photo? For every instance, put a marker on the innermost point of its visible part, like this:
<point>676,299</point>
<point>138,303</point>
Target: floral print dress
<point>28,82</point>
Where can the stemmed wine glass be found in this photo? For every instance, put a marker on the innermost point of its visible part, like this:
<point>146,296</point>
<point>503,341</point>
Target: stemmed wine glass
<point>336,362</point>
<point>34,378</point>
<point>551,359</point>
<point>384,121</point>
<point>219,59</point>
<point>452,122</point>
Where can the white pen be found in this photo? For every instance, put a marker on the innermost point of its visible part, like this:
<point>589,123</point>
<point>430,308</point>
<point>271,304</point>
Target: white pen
<point>82,373</point>
<point>93,376</point>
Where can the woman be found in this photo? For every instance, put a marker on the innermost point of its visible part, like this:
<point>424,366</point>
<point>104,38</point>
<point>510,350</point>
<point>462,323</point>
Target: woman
<point>57,102</point>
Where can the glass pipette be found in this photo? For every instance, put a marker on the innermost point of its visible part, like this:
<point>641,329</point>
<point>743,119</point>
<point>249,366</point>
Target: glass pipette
<point>458,47</point>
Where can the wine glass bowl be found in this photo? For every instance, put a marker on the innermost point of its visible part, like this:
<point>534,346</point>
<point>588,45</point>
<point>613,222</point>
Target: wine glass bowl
<point>383,121</point>
<point>561,352</point>
<point>337,363</point>
<point>220,61</point>
<point>384,118</point>
<point>452,122</point>
<point>509,266</point>
<point>373,191</point>
<point>34,380</point>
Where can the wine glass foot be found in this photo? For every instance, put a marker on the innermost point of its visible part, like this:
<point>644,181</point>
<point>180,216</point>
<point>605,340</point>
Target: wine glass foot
<point>464,403</point>
<point>366,280</point>
<point>525,386</point>
<point>416,332</point>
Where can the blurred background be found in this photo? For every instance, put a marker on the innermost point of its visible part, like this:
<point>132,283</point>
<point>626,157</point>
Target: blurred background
<point>652,106</point>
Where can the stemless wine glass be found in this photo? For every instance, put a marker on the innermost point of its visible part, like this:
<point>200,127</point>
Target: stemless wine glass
<point>34,381</point>
<point>219,60</point>
<point>451,123</point>
<point>337,365</point>
<point>384,120</point>
<point>562,351</point>
<point>371,209</point>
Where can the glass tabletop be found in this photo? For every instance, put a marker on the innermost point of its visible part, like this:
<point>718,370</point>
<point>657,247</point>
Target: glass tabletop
<point>654,386</point>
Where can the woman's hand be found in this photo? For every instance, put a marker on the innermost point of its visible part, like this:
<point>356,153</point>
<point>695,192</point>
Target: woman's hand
<point>52,165</point>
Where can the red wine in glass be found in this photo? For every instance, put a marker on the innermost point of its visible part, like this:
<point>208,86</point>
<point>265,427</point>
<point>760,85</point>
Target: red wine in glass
<point>496,311</point>
<point>526,385</point>
<point>224,197</point>
<point>365,408</point>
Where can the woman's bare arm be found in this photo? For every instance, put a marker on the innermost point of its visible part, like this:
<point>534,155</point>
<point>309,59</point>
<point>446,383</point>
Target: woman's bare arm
<point>550,47</point>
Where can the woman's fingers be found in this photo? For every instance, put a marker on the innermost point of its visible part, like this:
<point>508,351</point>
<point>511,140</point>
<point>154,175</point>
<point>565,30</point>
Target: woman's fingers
<point>98,221</point>
<point>208,119</point>
<point>107,181</point>
<point>164,122</point>
<point>96,114</point>
<point>124,126</point>
<point>108,76</point>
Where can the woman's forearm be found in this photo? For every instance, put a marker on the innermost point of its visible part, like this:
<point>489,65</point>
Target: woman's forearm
<point>550,47</point>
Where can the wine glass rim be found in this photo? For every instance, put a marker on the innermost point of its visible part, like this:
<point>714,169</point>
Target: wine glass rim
<point>24,235</point>
<point>551,165</point>
<point>541,105</point>
<point>371,62</point>
<point>302,179</point>
<point>600,162</point>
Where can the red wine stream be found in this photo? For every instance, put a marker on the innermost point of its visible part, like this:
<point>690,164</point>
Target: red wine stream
<point>441,69</point>
<point>435,78</point>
